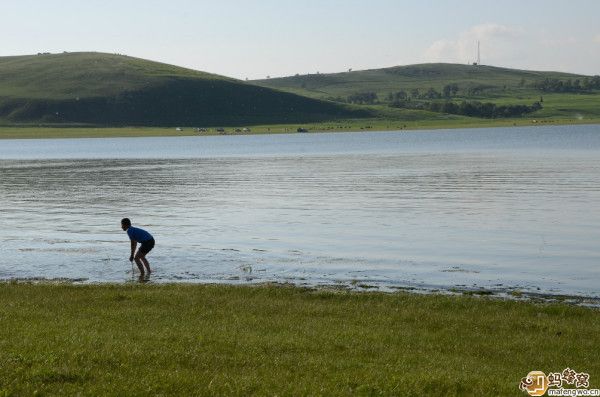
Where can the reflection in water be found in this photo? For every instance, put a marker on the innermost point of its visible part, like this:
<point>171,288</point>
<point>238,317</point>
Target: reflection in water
<point>476,218</point>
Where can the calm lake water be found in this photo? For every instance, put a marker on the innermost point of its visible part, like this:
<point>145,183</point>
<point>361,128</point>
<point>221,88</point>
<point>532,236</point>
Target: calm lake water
<point>500,209</point>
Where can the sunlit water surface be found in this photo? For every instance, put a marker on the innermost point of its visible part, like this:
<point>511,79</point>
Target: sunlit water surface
<point>496,208</point>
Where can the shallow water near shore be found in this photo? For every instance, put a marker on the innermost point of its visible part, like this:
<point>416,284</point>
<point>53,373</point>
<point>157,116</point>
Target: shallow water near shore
<point>495,209</point>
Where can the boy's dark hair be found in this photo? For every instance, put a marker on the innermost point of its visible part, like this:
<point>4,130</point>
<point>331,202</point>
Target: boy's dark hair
<point>126,222</point>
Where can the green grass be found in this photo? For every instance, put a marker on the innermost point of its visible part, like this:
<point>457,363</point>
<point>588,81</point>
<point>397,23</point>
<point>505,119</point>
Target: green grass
<point>504,86</point>
<point>502,81</point>
<point>84,75</point>
<point>379,124</point>
<point>60,339</point>
<point>108,90</point>
<point>114,90</point>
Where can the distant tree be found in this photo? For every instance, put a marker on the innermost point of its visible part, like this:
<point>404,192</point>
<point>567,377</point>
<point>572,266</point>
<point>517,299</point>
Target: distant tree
<point>431,94</point>
<point>556,85</point>
<point>473,108</point>
<point>450,90</point>
<point>363,98</point>
<point>446,92</point>
<point>414,93</point>
<point>450,107</point>
<point>398,99</point>
<point>568,86</point>
<point>400,95</point>
<point>586,84</point>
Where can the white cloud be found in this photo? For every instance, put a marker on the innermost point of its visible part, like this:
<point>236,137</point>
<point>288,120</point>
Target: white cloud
<point>496,41</point>
<point>596,39</point>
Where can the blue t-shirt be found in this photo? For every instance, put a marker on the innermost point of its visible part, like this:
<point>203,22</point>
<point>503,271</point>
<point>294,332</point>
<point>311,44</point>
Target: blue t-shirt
<point>139,235</point>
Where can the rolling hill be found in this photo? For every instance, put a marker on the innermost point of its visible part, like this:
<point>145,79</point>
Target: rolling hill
<point>489,79</point>
<point>576,97</point>
<point>108,89</point>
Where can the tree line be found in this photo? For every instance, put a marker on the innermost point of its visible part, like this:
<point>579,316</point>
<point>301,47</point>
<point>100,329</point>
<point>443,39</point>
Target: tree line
<point>370,97</point>
<point>448,91</point>
<point>398,98</point>
<point>570,85</point>
<point>433,101</point>
<point>486,110</point>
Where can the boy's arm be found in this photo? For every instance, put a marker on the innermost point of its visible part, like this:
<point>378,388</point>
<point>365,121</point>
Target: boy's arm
<point>133,245</point>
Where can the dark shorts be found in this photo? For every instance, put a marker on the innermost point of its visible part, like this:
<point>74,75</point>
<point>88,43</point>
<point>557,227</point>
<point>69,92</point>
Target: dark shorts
<point>146,246</point>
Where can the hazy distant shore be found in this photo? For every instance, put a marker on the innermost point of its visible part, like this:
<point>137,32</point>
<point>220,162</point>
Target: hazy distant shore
<point>47,132</point>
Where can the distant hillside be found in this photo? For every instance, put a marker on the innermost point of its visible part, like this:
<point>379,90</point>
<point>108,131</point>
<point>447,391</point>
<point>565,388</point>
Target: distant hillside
<point>482,80</point>
<point>475,91</point>
<point>107,89</point>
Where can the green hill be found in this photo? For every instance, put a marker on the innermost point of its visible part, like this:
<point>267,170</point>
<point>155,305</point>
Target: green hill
<point>99,89</point>
<point>562,95</point>
<point>483,79</point>
<point>107,89</point>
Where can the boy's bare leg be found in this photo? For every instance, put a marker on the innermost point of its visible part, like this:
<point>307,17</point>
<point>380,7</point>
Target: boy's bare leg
<point>141,259</point>
<point>145,261</point>
<point>139,262</point>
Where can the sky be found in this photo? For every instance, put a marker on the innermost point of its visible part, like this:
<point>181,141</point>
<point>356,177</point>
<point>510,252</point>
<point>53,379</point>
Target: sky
<point>260,38</point>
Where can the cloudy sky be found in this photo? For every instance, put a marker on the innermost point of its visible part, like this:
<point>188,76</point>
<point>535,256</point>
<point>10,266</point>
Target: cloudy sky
<point>253,39</point>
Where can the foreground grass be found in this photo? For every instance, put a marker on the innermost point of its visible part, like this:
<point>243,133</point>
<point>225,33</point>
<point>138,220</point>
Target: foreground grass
<point>267,340</point>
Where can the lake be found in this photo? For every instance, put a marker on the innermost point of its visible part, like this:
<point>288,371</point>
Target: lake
<point>501,209</point>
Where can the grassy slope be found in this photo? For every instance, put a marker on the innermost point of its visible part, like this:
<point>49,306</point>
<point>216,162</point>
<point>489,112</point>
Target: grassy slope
<point>423,76</point>
<point>503,86</point>
<point>84,75</point>
<point>113,90</point>
<point>110,89</point>
<point>219,340</point>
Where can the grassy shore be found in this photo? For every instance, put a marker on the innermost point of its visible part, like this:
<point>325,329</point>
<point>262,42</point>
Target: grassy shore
<point>28,132</point>
<point>61,339</point>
